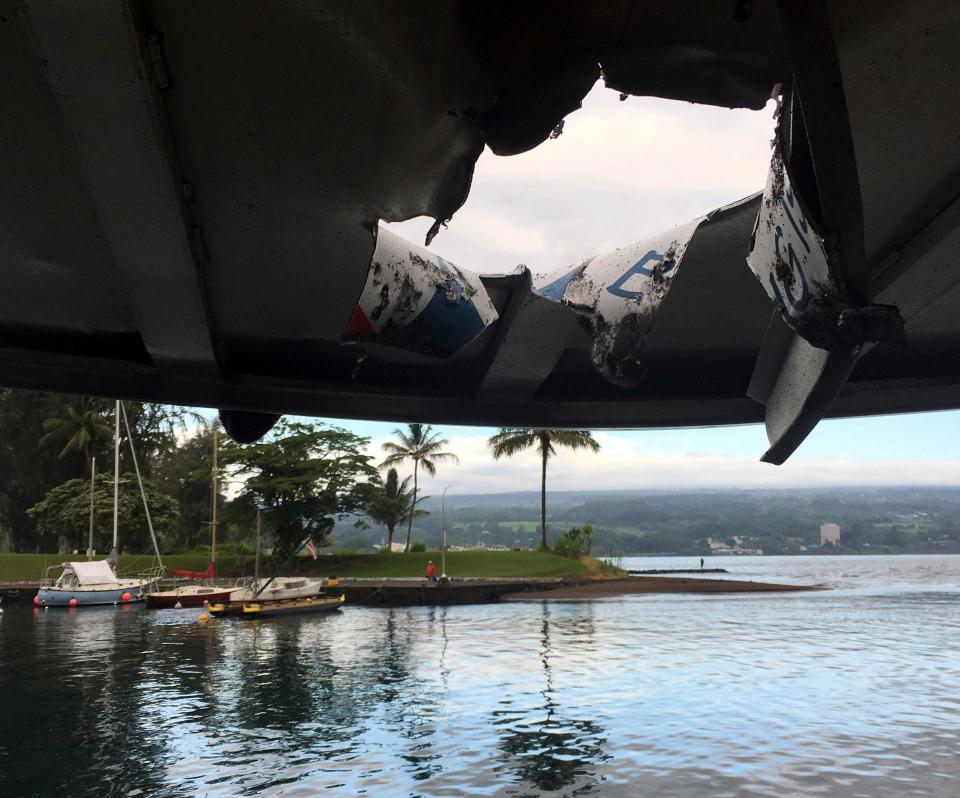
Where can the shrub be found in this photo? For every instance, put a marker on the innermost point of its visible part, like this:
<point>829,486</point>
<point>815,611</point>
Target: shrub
<point>575,543</point>
<point>418,545</point>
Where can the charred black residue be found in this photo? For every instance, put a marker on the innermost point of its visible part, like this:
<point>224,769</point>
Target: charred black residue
<point>778,171</point>
<point>662,274</point>
<point>452,283</point>
<point>784,272</point>
<point>408,295</point>
<point>617,349</point>
<point>618,342</point>
<point>382,305</point>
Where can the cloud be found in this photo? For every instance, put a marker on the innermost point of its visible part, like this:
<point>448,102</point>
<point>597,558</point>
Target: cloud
<point>620,172</point>
<point>630,464</point>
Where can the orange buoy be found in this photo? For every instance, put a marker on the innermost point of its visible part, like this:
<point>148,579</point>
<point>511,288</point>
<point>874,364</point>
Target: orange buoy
<point>203,617</point>
<point>72,602</point>
<point>125,597</point>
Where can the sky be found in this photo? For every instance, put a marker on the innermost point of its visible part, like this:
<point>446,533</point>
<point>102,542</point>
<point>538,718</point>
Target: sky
<point>620,172</point>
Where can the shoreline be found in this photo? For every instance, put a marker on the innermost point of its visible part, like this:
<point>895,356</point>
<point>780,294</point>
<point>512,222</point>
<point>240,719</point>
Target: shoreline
<point>409,591</point>
<point>646,585</point>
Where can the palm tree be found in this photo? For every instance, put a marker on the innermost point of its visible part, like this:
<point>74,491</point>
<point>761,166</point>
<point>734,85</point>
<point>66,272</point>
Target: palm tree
<point>511,440</point>
<point>80,427</point>
<point>422,445</point>
<point>390,507</point>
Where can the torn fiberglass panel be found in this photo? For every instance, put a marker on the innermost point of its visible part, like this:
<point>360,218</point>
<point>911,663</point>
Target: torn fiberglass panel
<point>616,296</point>
<point>789,258</point>
<point>415,300</point>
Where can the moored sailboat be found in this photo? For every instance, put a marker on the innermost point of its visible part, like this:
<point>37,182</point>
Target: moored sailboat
<point>265,609</point>
<point>187,596</point>
<point>95,583</point>
<point>197,595</point>
<point>295,593</point>
<point>83,584</point>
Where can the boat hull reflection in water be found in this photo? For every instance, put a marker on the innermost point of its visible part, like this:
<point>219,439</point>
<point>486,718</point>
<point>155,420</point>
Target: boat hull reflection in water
<point>844,692</point>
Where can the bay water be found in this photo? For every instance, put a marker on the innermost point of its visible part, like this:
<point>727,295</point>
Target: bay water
<point>851,691</point>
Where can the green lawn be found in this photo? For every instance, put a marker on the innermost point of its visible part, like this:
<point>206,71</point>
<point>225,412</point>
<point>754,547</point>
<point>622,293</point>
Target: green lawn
<point>25,567</point>
<point>461,563</point>
<point>22,567</point>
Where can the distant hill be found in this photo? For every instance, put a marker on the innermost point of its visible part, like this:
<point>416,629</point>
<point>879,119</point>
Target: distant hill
<point>778,521</point>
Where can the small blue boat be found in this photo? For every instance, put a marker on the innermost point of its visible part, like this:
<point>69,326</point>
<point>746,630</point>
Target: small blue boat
<point>84,584</point>
<point>91,583</point>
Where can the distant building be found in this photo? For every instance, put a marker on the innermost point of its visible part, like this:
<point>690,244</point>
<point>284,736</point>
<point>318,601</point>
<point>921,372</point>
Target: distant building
<point>830,533</point>
<point>719,547</point>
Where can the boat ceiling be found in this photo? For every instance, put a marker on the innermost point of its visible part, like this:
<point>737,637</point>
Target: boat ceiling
<point>191,195</point>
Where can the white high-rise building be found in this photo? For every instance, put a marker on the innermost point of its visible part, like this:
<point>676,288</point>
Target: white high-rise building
<point>830,533</point>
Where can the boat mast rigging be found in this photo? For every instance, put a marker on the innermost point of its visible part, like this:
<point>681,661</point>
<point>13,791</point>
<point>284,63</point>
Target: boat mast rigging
<point>213,511</point>
<point>143,494</point>
<point>114,556</point>
<point>93,474</point>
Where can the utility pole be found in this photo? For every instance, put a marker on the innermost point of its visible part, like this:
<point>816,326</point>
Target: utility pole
<point>443,525</point>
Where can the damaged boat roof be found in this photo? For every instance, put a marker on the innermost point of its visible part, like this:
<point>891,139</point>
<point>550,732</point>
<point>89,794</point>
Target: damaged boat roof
<point>192,192</point>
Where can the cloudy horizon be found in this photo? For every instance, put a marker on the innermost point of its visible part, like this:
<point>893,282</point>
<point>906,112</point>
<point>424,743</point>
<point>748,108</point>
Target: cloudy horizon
<point>620,172</point>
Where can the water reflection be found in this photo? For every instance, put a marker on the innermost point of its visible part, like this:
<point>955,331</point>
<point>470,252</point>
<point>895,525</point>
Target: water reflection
<point>836,693</point>
<point>554,748</point>
<point>86,733</point>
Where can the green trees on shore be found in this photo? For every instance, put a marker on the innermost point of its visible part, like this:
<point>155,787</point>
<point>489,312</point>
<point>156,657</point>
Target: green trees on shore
<point>65,511</point>
<point>511,440</point>
<point>46,444</point>
<point>419,444</point>
<point>391,504</point>
<point>304,477</point>
<point>80,427</point>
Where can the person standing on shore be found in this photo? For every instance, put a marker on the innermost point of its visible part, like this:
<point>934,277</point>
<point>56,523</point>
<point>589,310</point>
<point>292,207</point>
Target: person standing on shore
<point>431,571</point>
<point>701,564</point>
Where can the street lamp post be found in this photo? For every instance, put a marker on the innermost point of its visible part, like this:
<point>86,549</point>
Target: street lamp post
<point>443,525</point>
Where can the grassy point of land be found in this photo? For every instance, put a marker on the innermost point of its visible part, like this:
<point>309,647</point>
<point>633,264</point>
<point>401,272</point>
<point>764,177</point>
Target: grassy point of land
<point>459,563</point>
<point>493,564</point>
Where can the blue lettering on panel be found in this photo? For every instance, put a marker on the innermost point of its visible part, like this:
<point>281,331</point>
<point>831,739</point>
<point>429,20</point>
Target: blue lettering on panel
<point>799,303</point>
<point>555,289</point>
<point>616,288</point>
<point>802,228</point>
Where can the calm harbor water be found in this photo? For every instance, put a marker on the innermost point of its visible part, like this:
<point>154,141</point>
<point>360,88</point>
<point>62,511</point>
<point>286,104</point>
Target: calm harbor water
<point>847,692</point>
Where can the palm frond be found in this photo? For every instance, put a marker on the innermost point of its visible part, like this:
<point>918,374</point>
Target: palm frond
<point>406,438</point>
<point>574,439</point>
<point>511,440</point>
<point>441,457</point>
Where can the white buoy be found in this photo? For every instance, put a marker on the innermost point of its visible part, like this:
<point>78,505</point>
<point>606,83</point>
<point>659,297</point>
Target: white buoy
<point>178,606</point>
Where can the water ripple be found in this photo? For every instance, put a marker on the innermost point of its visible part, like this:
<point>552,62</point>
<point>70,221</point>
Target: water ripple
<point>851,692</point>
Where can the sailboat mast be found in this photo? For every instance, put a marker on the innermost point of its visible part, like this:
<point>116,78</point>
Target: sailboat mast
<point>213,511</point>
<point>93,473</point>
<point>116,479</point>
<point>256,566</point>
<point>143,493</point>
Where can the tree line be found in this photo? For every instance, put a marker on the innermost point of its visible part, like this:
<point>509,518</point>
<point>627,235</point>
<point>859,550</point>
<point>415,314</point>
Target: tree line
<point>56,473</point>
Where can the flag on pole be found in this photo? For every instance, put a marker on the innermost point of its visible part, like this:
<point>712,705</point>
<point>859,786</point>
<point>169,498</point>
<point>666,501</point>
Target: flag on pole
<point>312,549</point>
